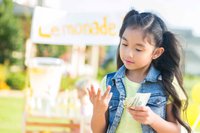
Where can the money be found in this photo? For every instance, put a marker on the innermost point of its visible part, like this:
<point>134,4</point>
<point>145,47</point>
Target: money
<point>140,99</point>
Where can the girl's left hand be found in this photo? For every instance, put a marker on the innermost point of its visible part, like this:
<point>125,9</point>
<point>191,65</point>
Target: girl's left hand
<point>142,114</point>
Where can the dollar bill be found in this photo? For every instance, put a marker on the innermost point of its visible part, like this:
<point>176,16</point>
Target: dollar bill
<point>140,99</point>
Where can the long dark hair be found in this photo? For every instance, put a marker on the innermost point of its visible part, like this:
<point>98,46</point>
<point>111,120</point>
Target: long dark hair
<point>168,63</point>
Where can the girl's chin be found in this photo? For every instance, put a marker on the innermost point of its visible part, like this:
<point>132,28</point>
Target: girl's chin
<point>128,66</point>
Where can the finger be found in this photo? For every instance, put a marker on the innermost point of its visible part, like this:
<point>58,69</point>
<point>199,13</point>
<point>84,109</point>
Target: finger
<point>140,108</point>
<point>131,108</point>
<point>138,113</point>
<point>93,92</point>
<point>89,92</point>
<point>106,94</point>
<point>139,119</point>
<point>131,111</point>
<point>99,93</point>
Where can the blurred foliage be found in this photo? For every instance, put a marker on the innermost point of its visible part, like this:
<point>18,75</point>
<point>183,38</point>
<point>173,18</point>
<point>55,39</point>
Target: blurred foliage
<point>16,81</point>
<point>3,85</point>
<point>26,24</point>
<point>11,35</point>
<point>111,67</point>
<point>51,50</point>
<point>3,76</point>
<point>190,81</point>
<point>195,93</point>
<point>193,112</point>
<point>3,72</point>
<point>68,83</point>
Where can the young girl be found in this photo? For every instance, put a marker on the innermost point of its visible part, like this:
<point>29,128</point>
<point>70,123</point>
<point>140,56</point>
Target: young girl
<point>148,61</point>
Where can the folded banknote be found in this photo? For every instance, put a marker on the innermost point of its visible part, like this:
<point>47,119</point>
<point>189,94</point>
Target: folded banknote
<point>140,99</point>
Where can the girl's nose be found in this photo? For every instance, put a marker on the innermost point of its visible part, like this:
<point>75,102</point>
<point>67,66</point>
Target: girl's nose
<point>130,53</point>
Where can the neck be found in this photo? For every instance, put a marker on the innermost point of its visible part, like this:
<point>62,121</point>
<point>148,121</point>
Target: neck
<point>137,75</point>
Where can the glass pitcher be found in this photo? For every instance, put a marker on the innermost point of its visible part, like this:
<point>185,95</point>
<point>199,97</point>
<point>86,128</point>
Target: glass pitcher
<point>45,74</point>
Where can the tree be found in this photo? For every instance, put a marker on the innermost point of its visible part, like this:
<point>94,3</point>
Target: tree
<point>11,35</point>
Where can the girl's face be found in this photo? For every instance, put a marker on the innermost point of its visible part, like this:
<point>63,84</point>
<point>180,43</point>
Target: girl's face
<point>136,50</point>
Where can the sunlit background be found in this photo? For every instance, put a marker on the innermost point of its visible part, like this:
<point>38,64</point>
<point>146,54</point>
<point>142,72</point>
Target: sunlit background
<point>82,61</point>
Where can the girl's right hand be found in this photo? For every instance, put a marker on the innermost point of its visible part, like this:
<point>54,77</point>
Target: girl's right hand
<point>100,102</point>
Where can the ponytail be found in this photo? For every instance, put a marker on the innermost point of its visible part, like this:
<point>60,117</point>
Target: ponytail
<point>169,65</point>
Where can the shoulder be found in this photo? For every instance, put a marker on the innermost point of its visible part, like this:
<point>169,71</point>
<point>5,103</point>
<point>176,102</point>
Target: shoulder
<point>109,78</point>
<point>110,75</point>
<point>106,80</point>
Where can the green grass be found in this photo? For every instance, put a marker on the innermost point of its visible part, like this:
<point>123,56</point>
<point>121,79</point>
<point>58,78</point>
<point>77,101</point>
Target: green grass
<point>11,112</point>
<point>11,117</point>
<point>190,81</point>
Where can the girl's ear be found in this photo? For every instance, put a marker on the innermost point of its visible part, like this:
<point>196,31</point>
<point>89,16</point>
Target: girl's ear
<point>158,52</point>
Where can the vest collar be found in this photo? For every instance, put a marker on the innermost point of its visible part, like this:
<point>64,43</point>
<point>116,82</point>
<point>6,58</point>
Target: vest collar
<point>153,75</point>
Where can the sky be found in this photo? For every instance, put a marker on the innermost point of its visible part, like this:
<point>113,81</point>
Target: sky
<point>183,14</point>
<point>177,13</point>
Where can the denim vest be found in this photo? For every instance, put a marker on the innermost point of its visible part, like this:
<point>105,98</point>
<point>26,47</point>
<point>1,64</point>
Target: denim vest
<point>151,84</point>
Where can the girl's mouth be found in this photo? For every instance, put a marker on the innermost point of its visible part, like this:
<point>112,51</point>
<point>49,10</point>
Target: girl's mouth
<point>129,62</point>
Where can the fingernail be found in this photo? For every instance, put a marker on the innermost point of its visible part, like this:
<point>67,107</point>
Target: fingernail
<point>132,107</point>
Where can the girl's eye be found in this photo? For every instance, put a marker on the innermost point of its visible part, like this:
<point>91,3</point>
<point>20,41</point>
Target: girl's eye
<point>139,50</point>
<point>124,44</point>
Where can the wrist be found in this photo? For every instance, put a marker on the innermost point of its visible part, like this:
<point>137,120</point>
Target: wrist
<point>98,114</point>
<point>96,118</point>
<point>154,121</point>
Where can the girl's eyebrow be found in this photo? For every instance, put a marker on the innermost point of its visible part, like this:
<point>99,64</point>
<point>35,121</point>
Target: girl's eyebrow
<point>124,38</point>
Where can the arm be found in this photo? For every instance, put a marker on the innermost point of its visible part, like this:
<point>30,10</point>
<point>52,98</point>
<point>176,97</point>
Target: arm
<point>99,123</point>
<point>145,115</point>
<point>163,126</point>
<point>100,107</point>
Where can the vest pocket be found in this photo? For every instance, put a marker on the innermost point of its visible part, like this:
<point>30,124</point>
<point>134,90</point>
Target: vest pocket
<point>157,101</point>
<point>158,105</point>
